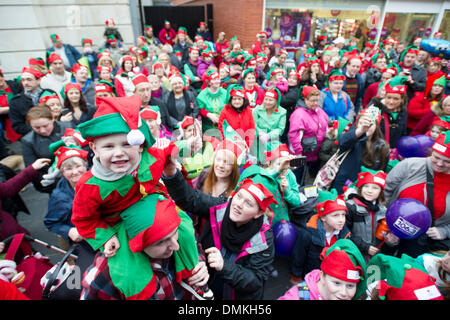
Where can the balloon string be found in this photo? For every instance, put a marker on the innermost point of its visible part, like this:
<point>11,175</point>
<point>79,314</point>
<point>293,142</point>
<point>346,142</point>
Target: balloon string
<point>282,199</point>
<point>379,246</point>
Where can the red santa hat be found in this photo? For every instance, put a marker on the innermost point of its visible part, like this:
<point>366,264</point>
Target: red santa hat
<point>140,78</point>
<point>64,153</point>
<point>375,177</point>
<point>104,68</point>
<point>442,144</point>
<point>69,132</point>
<point>53,57</point>
<point>32,71</point>
<point>71,85</point>
<point>78,66</point>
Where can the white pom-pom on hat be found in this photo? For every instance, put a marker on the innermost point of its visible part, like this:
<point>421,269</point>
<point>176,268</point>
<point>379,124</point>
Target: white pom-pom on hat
<point>135,137</point>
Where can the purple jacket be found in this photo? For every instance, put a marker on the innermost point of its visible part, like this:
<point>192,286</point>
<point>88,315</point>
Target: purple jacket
<point>313,123</point>
<point>10,188</point>
<point>202,66</point>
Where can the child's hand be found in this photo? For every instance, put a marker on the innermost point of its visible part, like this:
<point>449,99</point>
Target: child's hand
<point>111,246</point>
<point>2,246</point>
<point>283,183</point>
<point>373,250</point>
<point>215,258</point>
<point>74,235</point>
<point>200,275</point>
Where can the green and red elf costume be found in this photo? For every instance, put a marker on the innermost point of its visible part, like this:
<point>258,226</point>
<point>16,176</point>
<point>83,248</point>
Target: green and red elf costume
<point>103,199</point>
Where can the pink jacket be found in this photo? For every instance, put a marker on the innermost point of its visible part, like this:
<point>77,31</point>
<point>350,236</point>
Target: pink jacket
<point>311,280</point>
<point>312,123</point>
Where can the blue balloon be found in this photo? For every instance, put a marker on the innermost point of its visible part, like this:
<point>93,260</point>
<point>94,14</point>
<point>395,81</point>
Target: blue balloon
<point>408,218</point>
<point>437,47</point>
<point>425,142</point>
<point>408,147</point>
<point>285,234</point>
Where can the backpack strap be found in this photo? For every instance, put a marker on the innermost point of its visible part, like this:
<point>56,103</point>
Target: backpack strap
<point>430,194</point>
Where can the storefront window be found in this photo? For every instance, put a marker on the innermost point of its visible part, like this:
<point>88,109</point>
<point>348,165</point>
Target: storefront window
<point>405,27</point>
<point>293,27</point>
<point>445,26</point>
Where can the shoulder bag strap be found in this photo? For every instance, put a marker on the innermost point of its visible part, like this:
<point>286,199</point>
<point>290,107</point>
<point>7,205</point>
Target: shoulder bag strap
<point>430,194</point>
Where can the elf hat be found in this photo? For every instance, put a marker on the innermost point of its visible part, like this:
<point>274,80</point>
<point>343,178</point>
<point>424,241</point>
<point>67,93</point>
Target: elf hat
<point>273,93</point>
<point>396,85</point>
<point>370,176</point>
<point>47,95</point>
<point>247,71</point>
<point>237,91</point>
<point>212,74</point>
<point>118,115</point>
<point>343,125</point>
<point>140,78</point>
<point>306,90</point>
<point>275,70</point>
<point>262,34</point>
<point>36,62</point>
<point>392,70</point>
<point>64,153</point>
<point>54,37</point>
<point>182,30</point>
<point>110,20</point>
<point>86,40</point>
<point>71,85</point>
<point>78,66</point>
<point>280,150</point>
<point>344,261</point>
<point>105,86</point>
<point>104,68</point>
<point>166,23</point>
<point>32,71</point>
<point>69,132</point>
<point>53,57</point>
<point>440,81</point>
<point>151,113</point>
<point>193,48</point>
<point>148,27</point>
<point>336,74</point>
<point>234,142</point>
<point>177,76</point>
<point>403,279</point>
<point>329,201</point>
<point>312,60</point>
<point>411,49</point>
<point>186,122</point>
<point>202,24</point>
<point>442,144</point>
<point>150,220</point>
<point>442,122</point>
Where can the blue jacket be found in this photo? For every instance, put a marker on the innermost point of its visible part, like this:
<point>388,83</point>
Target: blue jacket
<point>334,109</point>
<point>59,211</point>
<point>72,54</point>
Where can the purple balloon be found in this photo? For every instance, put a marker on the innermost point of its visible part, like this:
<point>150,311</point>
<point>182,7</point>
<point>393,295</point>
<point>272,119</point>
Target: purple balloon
<point>285,234</point>
<point>408,147</point>
<point>408,218</point>
<point>425,142</point>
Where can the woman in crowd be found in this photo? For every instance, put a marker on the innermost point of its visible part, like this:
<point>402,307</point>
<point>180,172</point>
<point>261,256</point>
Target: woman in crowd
<point>334,101</point>
<point>78,110</point>
<point>35,144</point>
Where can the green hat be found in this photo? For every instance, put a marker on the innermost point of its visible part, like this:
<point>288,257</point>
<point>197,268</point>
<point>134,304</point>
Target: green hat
<point>238,144</point>
<point>118,115</point>
<point>402,278</point>
<point>343,125</point>
<point>54,37</point>
<point>440,81</point>
<point>344,261</point>
<point>246,72</point>
<point>412,48</point>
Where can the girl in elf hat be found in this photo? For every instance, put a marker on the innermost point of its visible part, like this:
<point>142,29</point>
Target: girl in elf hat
<point>408,179</point>
<point>105,73</point>
<point>125,171</point>
<point>322,230</point>
<point>238,113</point>
<point>394,110</point>
<point>434,72</point>
<point>366,214</point>
<point>421,103</point>
<point>367,148</point>
<point>313,75</point>
<point>237,235</point>
<point>342,275</point>
<point>211,102</point>
<point>253,92</point>
<point>289,196</point>
<point>270,122</point>
<point>51,100</point>
<point>152,116</point>
<point>400,279</point>
<point>438,126</point>
<point>276,79</point>
<point>76,106</point>
<point>376,89</point>
<point>123,79</point>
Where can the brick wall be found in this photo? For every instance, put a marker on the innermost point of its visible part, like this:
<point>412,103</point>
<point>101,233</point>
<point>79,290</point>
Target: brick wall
<point>241,18</point>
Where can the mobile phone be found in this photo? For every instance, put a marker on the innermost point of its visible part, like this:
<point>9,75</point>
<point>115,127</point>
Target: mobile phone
<point>298,162</point>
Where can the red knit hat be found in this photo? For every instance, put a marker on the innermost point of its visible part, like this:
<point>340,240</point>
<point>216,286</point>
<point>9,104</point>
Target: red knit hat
<point>306,90</point>
<point>140,78</point>
<point>32,71</point>
<point>261,194</point>
<point>76,135</point>
<point>339,265</point>
<point>379,178</point>
<point>442,144</point>
<point>53,57</point>
<point>77,67</point>
<point>64,153</point>
<point>71,85</point>
<point>281,151</point>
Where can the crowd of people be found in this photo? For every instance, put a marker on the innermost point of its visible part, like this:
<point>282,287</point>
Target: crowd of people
<point>168,164</point>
